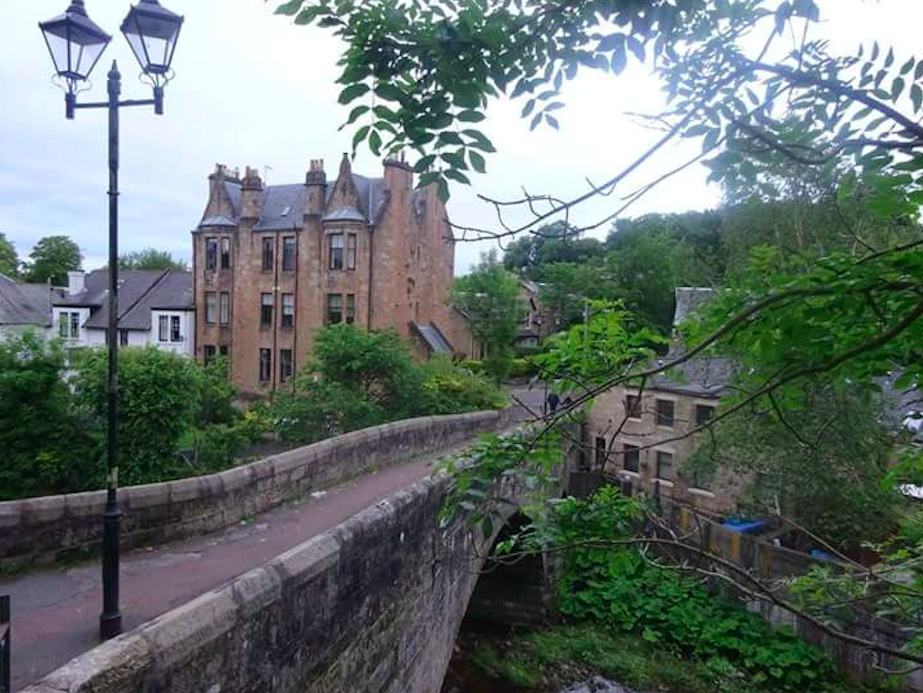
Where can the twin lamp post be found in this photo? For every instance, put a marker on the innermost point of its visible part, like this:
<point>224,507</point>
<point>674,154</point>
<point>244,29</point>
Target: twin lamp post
<point>76,44</point>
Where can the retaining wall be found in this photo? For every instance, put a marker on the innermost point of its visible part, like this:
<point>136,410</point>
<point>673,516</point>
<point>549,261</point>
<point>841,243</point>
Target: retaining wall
<point>56,527</point>
<point>372,605</point>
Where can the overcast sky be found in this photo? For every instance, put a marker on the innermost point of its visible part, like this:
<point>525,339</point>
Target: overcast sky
<point>252,89</point>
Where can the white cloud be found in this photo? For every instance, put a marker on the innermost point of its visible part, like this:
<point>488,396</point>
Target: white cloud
<point>252,89</point>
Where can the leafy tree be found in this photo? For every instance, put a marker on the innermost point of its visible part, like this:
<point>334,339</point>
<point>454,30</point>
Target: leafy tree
<point>159,399</point>
<point>217,394</point>
<point>552,244</point>
<point>45,447</point>
<point>355,379</point>
<point>489,297</point>
<point>52,258</point>
<point>9,260</point>
<point>150,259</point>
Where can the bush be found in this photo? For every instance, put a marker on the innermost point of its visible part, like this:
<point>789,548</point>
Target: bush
<point>160,398</point>
<point>473,365</point>
<point>217,394</point>
<point>523,368</point>
<point>451,389</point>
<point>622,589</point>
<point>46,447</point>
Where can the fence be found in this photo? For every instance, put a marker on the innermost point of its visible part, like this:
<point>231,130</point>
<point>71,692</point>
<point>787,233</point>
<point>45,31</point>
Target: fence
<point>6,682</point>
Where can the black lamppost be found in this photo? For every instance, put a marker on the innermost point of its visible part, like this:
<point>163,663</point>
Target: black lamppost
<point>76,45</point>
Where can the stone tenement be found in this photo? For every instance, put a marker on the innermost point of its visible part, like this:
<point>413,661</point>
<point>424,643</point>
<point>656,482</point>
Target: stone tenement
<point>42,529</point>
<point>373,605</point>
<point>272,264</point>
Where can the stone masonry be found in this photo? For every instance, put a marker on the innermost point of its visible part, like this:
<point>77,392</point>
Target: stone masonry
<point>272,264</point>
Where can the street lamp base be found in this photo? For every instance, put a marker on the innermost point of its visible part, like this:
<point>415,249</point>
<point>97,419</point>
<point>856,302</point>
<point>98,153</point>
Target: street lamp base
<point>110,625</point>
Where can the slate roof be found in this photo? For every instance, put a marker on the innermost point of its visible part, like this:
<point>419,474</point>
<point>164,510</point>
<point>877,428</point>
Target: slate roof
<point>293,197</point>
<point>688,300</point>
<point>24,304</point>
<point>433,338</point>
<point>702,376</point>
<point>283,208</point>
<point>139,292</point>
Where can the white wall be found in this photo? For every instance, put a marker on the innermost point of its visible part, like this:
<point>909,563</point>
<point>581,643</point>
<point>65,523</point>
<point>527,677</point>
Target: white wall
<point>85,337</point>
<point>94,337</point>
<point>187,331</point>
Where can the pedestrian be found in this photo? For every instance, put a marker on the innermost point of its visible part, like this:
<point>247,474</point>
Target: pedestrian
<point>553,400</point>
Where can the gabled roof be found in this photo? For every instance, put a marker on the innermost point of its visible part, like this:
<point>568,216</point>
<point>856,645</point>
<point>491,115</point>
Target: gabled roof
<point>172,292</point>
<point>688,300</point>
<point>24,304</point>
<point>140,291</point>
<point>284,205</point>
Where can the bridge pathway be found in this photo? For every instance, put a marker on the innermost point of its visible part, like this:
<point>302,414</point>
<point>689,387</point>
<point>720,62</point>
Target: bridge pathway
<point>56,610</point>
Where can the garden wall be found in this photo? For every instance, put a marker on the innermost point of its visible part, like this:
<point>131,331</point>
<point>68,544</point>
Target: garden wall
<point>59,527</point>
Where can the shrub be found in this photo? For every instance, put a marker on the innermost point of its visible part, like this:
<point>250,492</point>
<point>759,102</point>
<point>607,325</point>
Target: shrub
<point>160,397</point>
<point>451,389</point>
<point>46,448</point>
<point>523,368</point>
<point>473,365</point>
<point>622,589</point>
<point>217,394</point>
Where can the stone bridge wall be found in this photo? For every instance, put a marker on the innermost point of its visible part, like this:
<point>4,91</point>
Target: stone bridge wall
<point>372,606</point>
<point>55,527</point>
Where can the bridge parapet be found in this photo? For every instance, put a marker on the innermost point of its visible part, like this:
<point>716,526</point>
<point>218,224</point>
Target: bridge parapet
<point>372,605</point>
<point>55,527</point>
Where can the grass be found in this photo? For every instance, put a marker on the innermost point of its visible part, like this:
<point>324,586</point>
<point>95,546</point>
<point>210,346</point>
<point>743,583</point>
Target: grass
<point>564,654</point>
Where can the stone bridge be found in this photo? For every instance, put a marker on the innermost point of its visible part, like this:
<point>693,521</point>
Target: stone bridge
<point>373,604</point>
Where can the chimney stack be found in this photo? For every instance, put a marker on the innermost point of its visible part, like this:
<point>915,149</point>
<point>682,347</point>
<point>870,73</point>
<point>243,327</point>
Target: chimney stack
<point>76,282</point>
<point>316,182</point>
<point>251,198</point>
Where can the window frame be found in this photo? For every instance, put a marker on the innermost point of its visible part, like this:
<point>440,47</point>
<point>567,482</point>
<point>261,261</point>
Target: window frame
<point>163,328</point>
<point>352,250</point>
<point>225,252</point>
<point>631,451</point>
<point>289,253</point>
<point>633,413</point>
<point>208,353</point>
<point>286,365</point>
<point>659,417</point>
<point>330,309</point>
<point>288,311</point>
<point>266,310</point>
<point>224,308</point>
<point>211,307</point>
<point>211,253</point>
<point>600,452</point>
<point>672,465</point>
<point>699,421</point>
<point>176,329</point>
<point>349,314</point>
<point>265,365</point>
<point>336,252</point>
<point>123,338</point>
<point>269,253</point>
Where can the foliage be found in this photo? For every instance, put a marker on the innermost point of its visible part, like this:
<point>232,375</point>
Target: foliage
<point>45,446</point>
<point>9,260</point>
<point>358,379</point>
<point>590,353</point>
<point>476,475</point>
<point>523,368</point>
<point>451,389</point>
<point>51,259</point>
<point>825,475</point>
<point>626,589</point>
<point>489,297</point>
<point>160,397</point>
<point>217,394</point>
<point>553,244</point>
<point>217,446</point>
<point>566,653</point>
<point>150,259</point>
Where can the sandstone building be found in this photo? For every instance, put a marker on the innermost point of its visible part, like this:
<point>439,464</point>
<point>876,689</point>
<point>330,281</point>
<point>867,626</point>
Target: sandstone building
<point>272,264</point>
<point>644,436</point>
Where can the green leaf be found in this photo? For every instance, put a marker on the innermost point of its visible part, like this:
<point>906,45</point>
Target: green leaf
<point>471,116</point>
<point>457,176</point>
<point>552,121</point>
<point>360,135</point>
<point>375,143</point>
<point>353,92</point>
<point>916,95</point>
<point>908,66</point>
<point>477,161</point>
<point>897,87</point>
<point>480,140</point>
<point>389,92</point>
<point>619,59</point>
<point>443,191</point>
<point>356,113</point>
<point>290,8</point>
<point>424,163</point>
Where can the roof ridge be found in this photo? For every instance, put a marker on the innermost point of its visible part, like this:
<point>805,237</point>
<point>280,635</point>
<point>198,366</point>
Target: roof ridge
<point>157,282</point>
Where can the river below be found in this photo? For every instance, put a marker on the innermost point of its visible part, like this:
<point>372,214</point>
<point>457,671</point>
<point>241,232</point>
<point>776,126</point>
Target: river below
<point>465,676</point>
